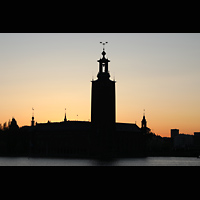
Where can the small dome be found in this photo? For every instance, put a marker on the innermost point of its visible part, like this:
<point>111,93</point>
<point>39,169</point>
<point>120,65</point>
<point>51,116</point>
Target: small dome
<point>103,53</point>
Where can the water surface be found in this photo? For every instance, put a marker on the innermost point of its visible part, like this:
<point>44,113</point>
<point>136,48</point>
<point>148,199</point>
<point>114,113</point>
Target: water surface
<point>149,161</point>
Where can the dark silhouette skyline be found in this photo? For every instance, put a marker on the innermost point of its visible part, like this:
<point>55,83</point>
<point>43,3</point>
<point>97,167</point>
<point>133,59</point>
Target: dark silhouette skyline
<point>102,138</point>
<point>158,72</point>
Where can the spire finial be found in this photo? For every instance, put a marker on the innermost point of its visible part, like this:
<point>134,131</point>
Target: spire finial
<point>103,43</point>
<point>144,113</point>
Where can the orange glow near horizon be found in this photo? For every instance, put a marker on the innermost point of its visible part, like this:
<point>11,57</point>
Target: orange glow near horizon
<point>51,72</point>
<point>52,108</point>
<point>125,114</point>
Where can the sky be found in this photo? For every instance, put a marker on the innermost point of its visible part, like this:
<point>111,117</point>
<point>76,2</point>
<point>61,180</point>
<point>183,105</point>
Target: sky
<point>158,72</point>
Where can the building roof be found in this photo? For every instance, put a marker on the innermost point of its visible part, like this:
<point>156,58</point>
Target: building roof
<point>127,127</point>
<point>81,126</point>
<point>64,126</point>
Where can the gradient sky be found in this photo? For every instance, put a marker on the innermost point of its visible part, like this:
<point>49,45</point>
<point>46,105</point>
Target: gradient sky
<point>53,71</point>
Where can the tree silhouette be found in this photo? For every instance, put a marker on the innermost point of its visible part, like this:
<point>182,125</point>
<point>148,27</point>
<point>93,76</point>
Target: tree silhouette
<point>5,127</point>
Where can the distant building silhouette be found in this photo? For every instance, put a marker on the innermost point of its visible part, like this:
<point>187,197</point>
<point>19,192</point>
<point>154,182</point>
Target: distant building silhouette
<point>174,133</point>
<point>100,138</point>
<point>144,122</point>
<point>183,141</point>
<point>103,108</point>
<point>197,141</point>
<point>65,119</point>
<point>144,128</point>
<point>103,137</point>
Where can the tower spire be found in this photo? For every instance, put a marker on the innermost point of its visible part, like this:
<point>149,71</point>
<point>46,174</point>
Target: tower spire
<point>144,121</point>
<point>32,122</point>
<point>65,119</point>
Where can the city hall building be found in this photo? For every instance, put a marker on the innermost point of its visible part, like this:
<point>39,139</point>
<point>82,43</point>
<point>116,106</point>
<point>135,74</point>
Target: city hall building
<point>102,137</point>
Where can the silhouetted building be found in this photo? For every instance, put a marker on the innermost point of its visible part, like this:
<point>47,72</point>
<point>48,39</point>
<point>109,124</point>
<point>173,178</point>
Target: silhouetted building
<point>102,137</point>
<point>144,128</point>
<point>67,138</point>
<point>65,119</point>
<point>103,108</point>
<point>197,142</point>
<point>174,133</point>
<point>183,141</point>
<point>144,122</point>
<point>129,140</point>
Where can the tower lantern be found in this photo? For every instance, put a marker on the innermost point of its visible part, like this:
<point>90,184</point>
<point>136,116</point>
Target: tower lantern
<point>103,66</point>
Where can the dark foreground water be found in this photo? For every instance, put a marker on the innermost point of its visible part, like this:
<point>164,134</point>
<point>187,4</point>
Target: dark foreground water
<point>149,161</point>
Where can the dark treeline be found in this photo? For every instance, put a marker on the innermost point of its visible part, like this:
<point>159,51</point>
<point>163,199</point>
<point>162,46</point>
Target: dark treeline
<point>13,140</point>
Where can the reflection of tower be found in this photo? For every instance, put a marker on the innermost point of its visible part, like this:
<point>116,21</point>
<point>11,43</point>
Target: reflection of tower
<point>32,122</point>
<point>103,108</point>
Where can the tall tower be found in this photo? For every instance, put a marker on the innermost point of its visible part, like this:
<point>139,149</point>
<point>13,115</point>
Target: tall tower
<point>103,108</point>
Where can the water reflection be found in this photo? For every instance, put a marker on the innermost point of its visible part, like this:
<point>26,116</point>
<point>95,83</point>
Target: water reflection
<point>149,161</point>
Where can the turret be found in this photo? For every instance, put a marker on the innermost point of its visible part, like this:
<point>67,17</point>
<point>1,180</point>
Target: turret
<point>144,122</point>
<point>65,119</point>
<point>33,121</point>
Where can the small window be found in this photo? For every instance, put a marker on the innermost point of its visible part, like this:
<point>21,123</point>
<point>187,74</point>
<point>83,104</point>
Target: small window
<point>103,67</point>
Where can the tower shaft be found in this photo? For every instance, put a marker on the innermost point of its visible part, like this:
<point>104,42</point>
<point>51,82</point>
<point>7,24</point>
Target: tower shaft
<point>103,109</point>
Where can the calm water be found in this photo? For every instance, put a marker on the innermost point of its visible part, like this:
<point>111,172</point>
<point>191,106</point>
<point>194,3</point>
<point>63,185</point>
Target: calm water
<point>150,161</point>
